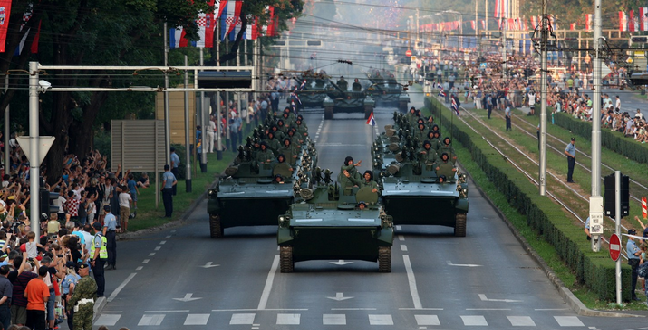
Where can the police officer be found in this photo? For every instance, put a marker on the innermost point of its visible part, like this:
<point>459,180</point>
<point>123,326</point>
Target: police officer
<point>83,299</point>
<point>570,152</point>
<point>109,228</point>
<point>98,255</point>
<point>169,181</point>
<point>175,163</point>
<point>634,253</point>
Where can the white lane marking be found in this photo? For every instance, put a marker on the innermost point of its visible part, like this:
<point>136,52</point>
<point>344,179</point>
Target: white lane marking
<point>462,265</point>
<point>420,309</point>
<point>550,309</point>
<point>401,238</point>
<point>197,319</point>
<point>398,227</point>
<point>242,318</point>
<point>484,298</point>
<point>120,287</point>
<point>256,310</point>
<point>152,254</point>
<point>168,236</point>
<point>474,320</point>
<point>108,320</point>
<point>162,242</point>
<point>146,261</point>
<point>263,302</point>
<point>139,268</point>
<point>488,309</point>
<point>288,319</point>
<point>173,311</point>
<point>412,283</point>
<point>380,319</point>
<point>334,319</point>
<point>157,248</point>
<point>353,309</point>
<point>521,321</point>
<point>427,320</point>
<point>569,321</point>
<point>404,248</point>
<point>151,319</point>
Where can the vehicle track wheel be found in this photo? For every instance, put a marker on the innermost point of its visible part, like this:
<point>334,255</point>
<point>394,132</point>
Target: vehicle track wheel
<point>328,112</point>
<point>384,259</point>
<point>215,228</point>
<point>286,262</point>
<point>460,225</point>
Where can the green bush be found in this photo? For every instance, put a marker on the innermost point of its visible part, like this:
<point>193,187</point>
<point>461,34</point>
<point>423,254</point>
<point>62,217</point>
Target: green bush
<point>593,270</point>
<point>614,141</point>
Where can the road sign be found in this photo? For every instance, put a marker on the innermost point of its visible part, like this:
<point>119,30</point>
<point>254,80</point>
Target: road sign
<point>44,145</point>
<point>408,53</point>
<point>615,247</point>
<point>596,215</point>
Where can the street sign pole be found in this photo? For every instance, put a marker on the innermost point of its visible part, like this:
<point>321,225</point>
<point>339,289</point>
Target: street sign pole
<point>617,231</point>
<point>34,159</point>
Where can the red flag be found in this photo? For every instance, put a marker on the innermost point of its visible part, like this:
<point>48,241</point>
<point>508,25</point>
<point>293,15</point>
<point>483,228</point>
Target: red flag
<point>473,25</point>
<point>623,27</point>
<point>631,21</point>
<point>34,46</point>
<point>5,12</point>
<point>270,31</point>
<point>483,23</point>
<point>572,27</point>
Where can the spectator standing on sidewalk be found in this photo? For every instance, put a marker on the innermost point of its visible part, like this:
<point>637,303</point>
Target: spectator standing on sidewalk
<point>508,117</point>
<point>6,291</point>
<point>570,152</point>
<point>169,181</point>
<point>211,134</point>
<point>37,294</point>
<point>109,229</point>
<point>124,208</point>
<point>175,162</point>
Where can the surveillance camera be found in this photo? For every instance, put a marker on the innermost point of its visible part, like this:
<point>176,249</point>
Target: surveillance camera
<point>44,85</point>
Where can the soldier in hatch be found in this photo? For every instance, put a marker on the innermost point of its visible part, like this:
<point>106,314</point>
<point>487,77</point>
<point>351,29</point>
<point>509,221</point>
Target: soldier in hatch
<point>446,148</point>
<point>428,156</point>
<point>349,176</point>
<point>445,167</point>
<point>357,87</point>
<point>264,155</point>
<point>369,182</point>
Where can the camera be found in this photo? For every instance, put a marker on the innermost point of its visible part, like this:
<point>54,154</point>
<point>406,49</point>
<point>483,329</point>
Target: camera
<point>44,85</point>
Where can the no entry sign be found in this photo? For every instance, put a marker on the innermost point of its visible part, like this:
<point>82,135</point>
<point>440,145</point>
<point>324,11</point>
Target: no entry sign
<point>615,247</point>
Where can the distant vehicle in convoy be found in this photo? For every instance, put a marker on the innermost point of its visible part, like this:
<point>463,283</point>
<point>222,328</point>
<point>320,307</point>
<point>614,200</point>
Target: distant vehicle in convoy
<point>326,224</point>
<point>248,194</point>
<point>386,91</point>
<point>413,193</point>
<point>341,100</point>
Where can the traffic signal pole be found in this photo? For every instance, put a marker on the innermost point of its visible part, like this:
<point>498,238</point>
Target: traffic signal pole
<point>617,227</point>
<point>596,115</point>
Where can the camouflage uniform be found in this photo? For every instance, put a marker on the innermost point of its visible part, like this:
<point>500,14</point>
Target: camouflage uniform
<point>85,289</point>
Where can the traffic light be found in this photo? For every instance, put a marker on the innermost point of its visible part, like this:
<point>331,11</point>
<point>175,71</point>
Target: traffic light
<point>608,197</point>
<point>47,202</point>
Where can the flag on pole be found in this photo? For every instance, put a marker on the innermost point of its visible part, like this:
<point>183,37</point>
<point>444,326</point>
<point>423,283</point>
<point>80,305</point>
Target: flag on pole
<point>21,45</point>
<point>454,105</point>
<point>572,27</point>
<point>5,12</point>
<point>473,25</point>
<point>483,24</point>
<point>589,21</point>
<point>623,24</point>
<point>371,120</point>
<point>206,28</point>
<point>229,17</point>
<point>177,38</point>
<point>631,27</point>
<point>441,92</point>
<point>643,18</point>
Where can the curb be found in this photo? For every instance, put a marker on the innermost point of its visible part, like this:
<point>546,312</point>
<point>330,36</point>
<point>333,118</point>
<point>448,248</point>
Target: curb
<point>574,303</point>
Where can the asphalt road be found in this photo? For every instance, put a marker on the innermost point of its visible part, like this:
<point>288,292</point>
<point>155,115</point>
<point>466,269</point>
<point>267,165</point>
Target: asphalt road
<point>182,279</point>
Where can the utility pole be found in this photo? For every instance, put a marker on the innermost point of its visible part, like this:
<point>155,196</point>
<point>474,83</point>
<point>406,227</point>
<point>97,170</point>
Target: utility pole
<point>504,59</point>
<point>219,137</point>
<point>167,129</point>
<point>186,117</point>
<point>543,100</point>
<point>596,114</point>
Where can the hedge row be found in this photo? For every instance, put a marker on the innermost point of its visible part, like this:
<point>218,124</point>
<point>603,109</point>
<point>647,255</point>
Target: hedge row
<point>594,270</point>
<point>614,141</point>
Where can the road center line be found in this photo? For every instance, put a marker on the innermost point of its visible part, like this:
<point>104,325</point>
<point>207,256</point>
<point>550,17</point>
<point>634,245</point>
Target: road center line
<point>412,282</point>
<point>120,287</point>
<point>268,286</point>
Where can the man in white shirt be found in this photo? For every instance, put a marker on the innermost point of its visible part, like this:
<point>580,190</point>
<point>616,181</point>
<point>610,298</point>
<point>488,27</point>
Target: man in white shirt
<point>211,129</point>
<point>617,103</point>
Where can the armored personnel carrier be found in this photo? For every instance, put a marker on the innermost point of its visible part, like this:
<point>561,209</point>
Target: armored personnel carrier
<point>249,194</point>
<point>412,190</point>
<point>386,91</point>
<point>326,224</point>
<point>341,100</point>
